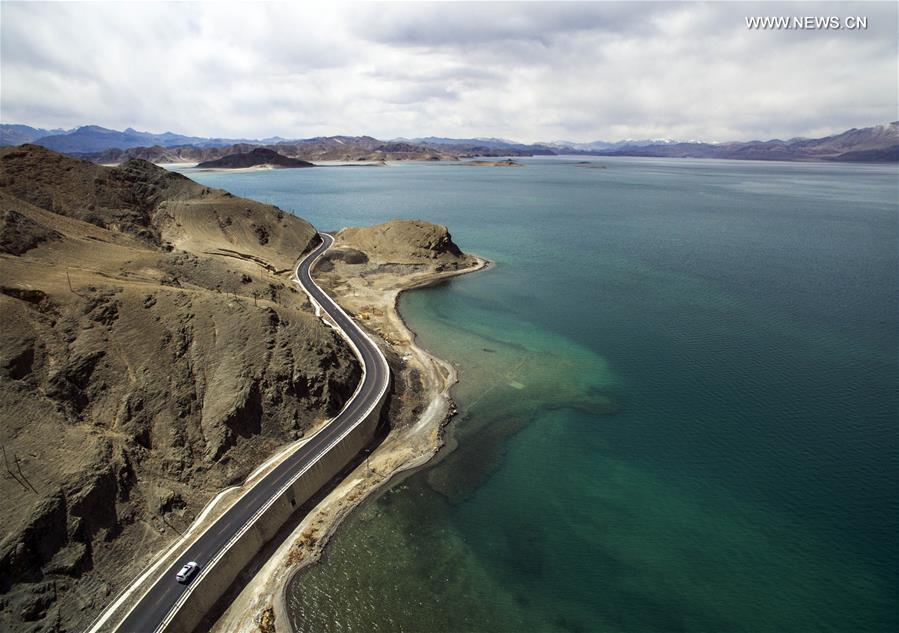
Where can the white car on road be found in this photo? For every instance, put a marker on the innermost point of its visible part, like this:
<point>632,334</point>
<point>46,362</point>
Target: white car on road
<point>187,572</point>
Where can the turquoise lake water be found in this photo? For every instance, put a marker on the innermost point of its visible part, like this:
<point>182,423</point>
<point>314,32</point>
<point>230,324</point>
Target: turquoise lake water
<point>678,401</point>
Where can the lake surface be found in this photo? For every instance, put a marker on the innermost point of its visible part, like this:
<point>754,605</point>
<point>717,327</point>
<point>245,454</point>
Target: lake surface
<point>678,400</point>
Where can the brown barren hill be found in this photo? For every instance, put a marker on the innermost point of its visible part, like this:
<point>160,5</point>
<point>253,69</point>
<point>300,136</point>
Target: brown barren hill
<point>153,351</point>
<point>404,242</point>
<point>260,156</point>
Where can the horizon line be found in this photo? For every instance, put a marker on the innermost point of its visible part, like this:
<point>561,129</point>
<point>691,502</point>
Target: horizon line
<point>570,143</point>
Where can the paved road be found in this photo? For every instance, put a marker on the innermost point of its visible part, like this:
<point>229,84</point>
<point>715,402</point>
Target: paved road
<point>159,602</point>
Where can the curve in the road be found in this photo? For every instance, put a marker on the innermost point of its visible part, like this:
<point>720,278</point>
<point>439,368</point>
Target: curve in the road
<point>161,602</point>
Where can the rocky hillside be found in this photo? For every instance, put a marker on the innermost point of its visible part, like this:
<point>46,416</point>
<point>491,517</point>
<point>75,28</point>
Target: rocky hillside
<point>153,351</point>
<point>401,242</point>
<point>254,158</point>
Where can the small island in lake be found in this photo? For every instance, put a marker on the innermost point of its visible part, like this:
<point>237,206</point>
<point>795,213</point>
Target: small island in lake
<point>508,162</point>
<point>259,157</point>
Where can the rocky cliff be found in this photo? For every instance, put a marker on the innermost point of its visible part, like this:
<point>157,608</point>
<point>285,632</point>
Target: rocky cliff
<point>153,351</point>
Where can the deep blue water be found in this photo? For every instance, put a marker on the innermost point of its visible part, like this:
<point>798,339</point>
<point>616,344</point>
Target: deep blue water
<point>679,396</point>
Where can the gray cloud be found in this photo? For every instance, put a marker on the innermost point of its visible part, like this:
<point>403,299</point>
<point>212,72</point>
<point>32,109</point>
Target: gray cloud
<point>445,24</point>
<point>531,71</point>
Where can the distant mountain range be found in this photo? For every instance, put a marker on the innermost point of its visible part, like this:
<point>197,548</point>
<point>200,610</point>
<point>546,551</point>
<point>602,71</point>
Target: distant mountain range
<point>483,146</point>
<point>93,138</point>
<point>603,146</point>
<point>331,148</point>
<point>879,143</point>
<point>20,134</point>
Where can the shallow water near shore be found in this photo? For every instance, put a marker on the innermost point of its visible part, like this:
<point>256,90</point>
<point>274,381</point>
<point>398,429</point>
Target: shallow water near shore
<point>677,392</point>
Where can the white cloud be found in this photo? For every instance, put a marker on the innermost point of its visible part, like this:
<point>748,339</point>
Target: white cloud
<point>531,71</point>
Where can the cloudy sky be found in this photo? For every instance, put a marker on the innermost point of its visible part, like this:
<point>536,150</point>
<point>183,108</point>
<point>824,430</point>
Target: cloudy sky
<point>528,71</point>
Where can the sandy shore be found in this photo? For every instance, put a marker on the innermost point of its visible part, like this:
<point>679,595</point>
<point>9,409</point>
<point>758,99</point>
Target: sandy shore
<point>413,440</point>
<point>193,166</point>
<point>255,168</point>
<point>242,170</point>
<point>343,163</point>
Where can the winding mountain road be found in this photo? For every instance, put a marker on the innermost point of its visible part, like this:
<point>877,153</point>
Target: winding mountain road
<point>155,609</point>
